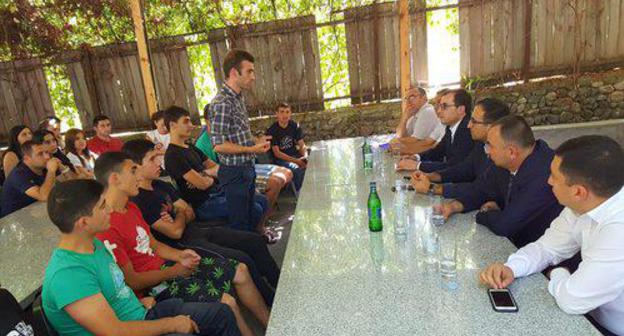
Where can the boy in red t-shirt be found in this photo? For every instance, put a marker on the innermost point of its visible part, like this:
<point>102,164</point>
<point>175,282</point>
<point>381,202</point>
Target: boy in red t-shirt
<point>150,266</point>
<point>103,142</point>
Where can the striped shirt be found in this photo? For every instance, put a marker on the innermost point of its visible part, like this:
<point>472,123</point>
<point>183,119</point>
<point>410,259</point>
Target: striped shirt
<point>230,123</point>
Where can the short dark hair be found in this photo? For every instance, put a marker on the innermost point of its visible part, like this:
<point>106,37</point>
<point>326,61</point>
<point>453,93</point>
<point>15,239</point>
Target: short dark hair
<point>99,118</point>
<point>595,161</point>
<point>27,147</point>
<point>421,91</point>
<point>233,59</point>
<point>108,163</point>
<point>46,121</point>
<point>494,109</point>
<point>160,114</point>
<point>71,200</point>
<point>137,149</point>
<point>283,105</point>
<point>516,130</point>
<point>461,97</point>
<point>173,114</point>
<point>39,135</point>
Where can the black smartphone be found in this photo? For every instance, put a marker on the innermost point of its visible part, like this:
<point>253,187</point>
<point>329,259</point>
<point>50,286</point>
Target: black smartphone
<point>502,300</point>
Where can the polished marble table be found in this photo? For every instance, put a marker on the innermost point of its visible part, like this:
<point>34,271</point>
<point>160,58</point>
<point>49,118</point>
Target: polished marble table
<point>27,238</point>
<point>338,278</point>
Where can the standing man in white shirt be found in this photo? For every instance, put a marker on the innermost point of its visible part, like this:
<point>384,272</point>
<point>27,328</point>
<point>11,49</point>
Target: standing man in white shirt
<point>587,176</point>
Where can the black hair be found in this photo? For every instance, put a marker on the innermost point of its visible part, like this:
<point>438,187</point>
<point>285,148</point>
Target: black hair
<point>14,145</point>
<point>157,116</point>
<point>137,149</point>
<point>39,135</point>
<point>494,109</point>
<point>596,161</point>
<point>43,124</point>
<point>99,118</point>
<point>108,163</point>
<point>233,59</point>
<point>461,97</point>
<point>27,147</point>
<point>173,114</point>
<point>516,130</point>
<point>71,200</point>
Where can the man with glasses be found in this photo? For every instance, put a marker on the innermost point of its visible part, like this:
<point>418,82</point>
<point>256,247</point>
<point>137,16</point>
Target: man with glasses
<point>419,122</point>
<point>514,198</point>
<point>454,112</point>
<point>450,181</point>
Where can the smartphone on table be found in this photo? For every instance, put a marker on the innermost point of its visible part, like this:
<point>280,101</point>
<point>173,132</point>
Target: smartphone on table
<point>502,300</point>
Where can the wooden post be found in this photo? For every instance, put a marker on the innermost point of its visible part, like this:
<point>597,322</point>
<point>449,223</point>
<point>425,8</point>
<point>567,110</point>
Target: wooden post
<point>404,48</point>
<point>144,59</point>
<point>528,22</point>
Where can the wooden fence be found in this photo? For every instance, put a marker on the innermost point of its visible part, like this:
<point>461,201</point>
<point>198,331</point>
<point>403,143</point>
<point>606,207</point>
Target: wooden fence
<point>372,36</point>
<point>287,63</point>
<point>24,95</point>
<point>107,80</point>
<point>534,38</point>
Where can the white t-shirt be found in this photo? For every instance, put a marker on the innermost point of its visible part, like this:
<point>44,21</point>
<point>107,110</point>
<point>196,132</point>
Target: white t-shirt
<point>425,124</point>
<point>89,161</point>
<point>158,138</point>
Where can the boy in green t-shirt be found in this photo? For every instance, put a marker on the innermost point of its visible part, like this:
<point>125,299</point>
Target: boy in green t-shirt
<point>84,291</point>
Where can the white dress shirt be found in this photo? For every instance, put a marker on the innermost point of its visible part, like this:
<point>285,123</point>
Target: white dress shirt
<point>424,123</point>
<point>597,286</point>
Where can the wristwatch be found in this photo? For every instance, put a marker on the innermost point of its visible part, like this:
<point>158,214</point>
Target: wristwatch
<point>432,188</point>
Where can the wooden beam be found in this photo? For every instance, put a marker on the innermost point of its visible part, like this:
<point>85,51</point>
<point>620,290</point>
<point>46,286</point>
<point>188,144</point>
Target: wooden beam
<point>404,48</point>
<point>144,59</point>
<point>528,23</point>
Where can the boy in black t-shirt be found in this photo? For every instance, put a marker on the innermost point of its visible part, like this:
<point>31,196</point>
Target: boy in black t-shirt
<point>172,221</point>
<point>195,174</point>
<point>287,144</point>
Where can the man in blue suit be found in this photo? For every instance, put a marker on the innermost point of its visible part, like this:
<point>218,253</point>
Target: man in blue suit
<point>450,181</point>
<point>514,198</point>
<point>454,112</point>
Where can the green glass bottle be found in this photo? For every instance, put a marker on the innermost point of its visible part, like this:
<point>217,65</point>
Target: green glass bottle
<point>374,209</point>
<point>367,155</point>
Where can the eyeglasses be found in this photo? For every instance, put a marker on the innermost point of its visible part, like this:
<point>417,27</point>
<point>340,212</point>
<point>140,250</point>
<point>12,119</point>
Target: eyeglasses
<point>475,121</point>
<point>444,106</point>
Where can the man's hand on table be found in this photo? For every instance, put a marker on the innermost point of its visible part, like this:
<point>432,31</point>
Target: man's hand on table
<point>420,181</point>
<point>406,164</point>
<point>496,276</point>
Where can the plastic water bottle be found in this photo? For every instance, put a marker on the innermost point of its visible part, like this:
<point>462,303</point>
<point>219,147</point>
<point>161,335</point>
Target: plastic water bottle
<point>367,155</point>
<point>429,239</point>
<point>400,212</point>
<point>437,218</point>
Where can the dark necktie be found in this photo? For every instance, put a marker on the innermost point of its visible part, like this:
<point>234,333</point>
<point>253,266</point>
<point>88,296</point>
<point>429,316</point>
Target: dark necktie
<point>509,185</point>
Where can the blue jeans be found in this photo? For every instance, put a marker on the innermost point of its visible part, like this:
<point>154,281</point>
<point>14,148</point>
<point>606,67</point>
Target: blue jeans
<point>238,202</point>
<point>212,318</point>
<point>298,172</point>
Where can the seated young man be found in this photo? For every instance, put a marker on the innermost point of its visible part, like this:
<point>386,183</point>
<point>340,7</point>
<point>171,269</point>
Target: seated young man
<point>587,177</point>
<point>68,170</point>
<point>172,221</point>
<point>31,180</point>
<point>287,144</point>
<point>195,174</point>
<point>84,292</point>
<point>270,178</point>
<point>103,142</point>
<point>153,267</point>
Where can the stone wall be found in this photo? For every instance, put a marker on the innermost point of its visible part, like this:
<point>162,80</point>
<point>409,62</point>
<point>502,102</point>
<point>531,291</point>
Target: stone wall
<point>597,96</point>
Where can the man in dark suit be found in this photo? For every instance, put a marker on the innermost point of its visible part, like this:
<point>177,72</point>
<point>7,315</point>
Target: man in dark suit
<point>454,112</point>
<point>514,197</point>
<point>450,181</point>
